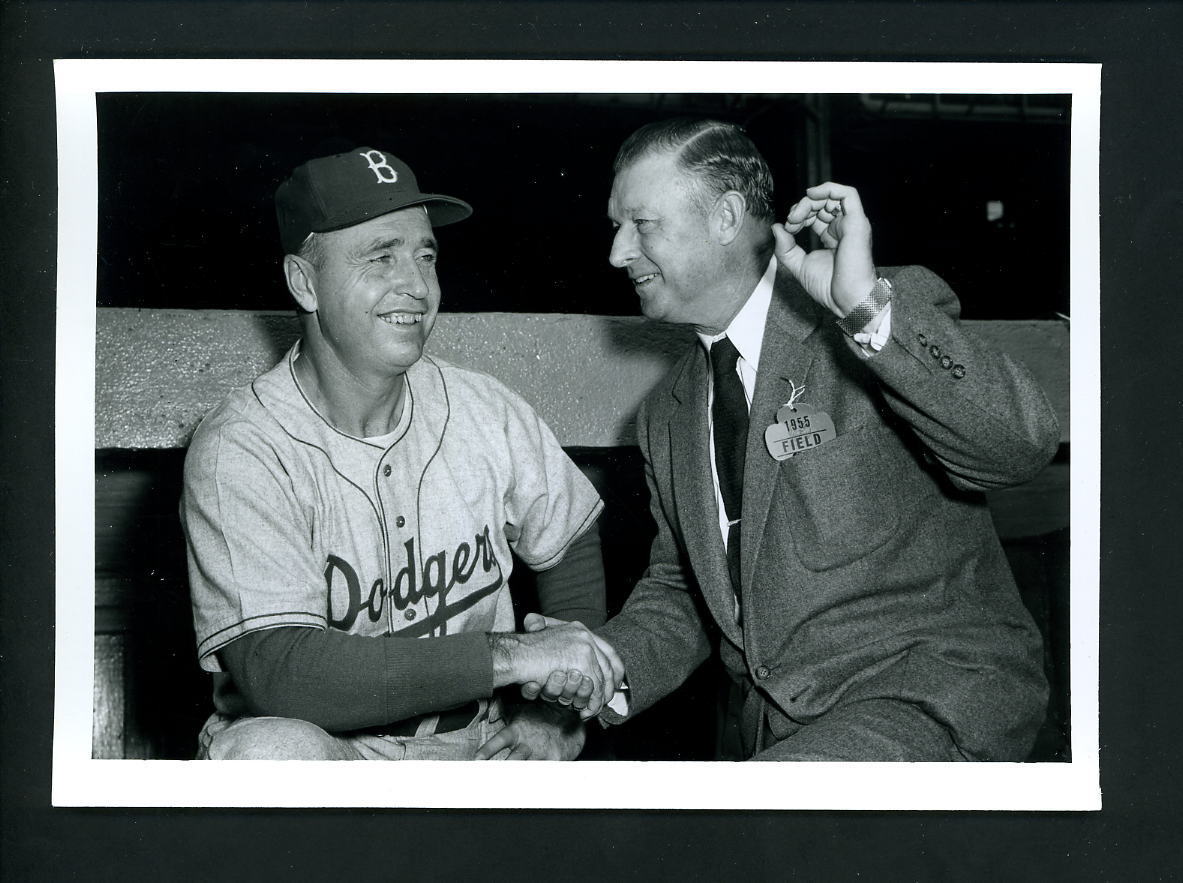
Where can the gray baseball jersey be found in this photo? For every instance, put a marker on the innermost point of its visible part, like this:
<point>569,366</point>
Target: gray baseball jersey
<point>290,522</point>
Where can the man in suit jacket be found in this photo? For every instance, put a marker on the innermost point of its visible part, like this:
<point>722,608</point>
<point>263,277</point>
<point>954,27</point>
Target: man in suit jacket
<point>867,611</point>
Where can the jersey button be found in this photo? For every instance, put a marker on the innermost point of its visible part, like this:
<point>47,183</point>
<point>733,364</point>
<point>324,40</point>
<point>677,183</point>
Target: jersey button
<point>400,521</point>
<point>410,614</point>
<point>762,672</point>
<point>386,470</point>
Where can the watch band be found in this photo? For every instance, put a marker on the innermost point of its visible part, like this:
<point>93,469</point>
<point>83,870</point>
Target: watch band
<point>880,296</point>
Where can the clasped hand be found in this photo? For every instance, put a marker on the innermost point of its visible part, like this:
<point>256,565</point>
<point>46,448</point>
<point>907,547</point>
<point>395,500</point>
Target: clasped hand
<point>840,275</point>
<point>586,688</point>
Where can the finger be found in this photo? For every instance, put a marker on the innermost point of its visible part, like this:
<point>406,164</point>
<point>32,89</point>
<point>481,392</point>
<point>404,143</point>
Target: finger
<point>531,689</point>
<point>846,196</point>
<point>521,752</point>
<point>571,686</point>
<point>805,210</point>
<point>802,209</point>
<point>824,210</point>
<point>583,694</point>
<point>826,232</point>
<point>553,688</point>
<point>506,738</point>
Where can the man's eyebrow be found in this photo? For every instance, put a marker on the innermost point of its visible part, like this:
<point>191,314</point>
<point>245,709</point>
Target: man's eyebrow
<point>629,211</point>
<point>396,241</point>
<point>382,244</point>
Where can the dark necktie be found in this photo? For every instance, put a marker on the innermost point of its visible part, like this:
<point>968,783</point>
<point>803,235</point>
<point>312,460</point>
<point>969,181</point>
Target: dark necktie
<point>729,414</point>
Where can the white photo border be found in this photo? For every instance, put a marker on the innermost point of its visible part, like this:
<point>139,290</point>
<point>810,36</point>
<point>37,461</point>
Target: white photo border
<point>80,780</point>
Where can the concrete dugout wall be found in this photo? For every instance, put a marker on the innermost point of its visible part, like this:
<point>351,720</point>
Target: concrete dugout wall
<point>160,371</point>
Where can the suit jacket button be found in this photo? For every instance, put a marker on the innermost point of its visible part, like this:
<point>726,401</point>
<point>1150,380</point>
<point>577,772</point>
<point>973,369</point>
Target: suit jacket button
<point>946,362</point>
<point>400,521</point>
<point>762,672</point>
<point>958,371</point>
<point>934,351</point>
<point>410,614</point>
<point>386,470</point>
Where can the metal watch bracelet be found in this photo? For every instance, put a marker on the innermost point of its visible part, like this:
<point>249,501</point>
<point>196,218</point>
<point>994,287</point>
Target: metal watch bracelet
<point>854,321</point>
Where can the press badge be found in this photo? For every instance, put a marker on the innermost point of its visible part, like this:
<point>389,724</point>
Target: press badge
<point>797,428</point>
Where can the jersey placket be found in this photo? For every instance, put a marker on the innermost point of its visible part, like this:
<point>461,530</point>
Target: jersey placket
<point>390,498</point>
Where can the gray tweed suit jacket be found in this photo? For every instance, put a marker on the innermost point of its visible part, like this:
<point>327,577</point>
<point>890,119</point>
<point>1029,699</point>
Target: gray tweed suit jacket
<point>870,565</point>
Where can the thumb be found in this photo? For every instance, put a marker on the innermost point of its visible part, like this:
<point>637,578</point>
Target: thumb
<point>536,622</point>
<point>790,255</point>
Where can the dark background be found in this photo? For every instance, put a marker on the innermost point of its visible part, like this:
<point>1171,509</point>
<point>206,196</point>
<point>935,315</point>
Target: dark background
<point>1134,838</point>
<point>186,217</point>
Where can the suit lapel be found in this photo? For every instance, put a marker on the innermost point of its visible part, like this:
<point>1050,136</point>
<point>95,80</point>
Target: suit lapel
<point>785,355</point>
<point>694,491</point>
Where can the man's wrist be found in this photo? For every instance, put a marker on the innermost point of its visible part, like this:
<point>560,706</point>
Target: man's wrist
<point>501,648</point>
<point>866,312</point>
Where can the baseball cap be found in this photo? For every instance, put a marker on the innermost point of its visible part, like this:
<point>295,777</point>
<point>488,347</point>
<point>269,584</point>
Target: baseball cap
<point>338,191</point>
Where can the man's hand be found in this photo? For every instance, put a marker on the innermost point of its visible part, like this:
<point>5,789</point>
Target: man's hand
<point>572,662</point>
<point>571,688</point>
<point>841,275</point>
<point>537,732</point>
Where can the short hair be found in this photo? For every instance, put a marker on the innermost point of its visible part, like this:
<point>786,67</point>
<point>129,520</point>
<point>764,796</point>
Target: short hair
<point>312,250</point>
<point>719,156</point>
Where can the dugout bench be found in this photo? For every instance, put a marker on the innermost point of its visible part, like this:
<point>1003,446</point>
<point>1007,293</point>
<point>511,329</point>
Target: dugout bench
<point>159,371</point>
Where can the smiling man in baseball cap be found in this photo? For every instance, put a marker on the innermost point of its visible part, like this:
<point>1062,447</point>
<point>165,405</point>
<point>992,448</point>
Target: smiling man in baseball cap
<point>350,515</point>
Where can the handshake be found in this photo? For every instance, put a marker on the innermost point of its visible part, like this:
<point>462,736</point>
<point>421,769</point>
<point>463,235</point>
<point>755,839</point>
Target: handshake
<point>558,661</point>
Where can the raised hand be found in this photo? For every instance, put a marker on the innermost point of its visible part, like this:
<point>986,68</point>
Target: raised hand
<point>842,274</point>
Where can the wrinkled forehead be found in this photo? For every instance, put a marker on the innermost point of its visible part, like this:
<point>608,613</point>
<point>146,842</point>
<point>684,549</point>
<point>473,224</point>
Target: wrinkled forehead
<point>409,225</point>
<point>654,181</point>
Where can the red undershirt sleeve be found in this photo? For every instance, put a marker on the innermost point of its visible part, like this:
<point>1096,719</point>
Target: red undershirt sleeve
<point>347,682</point>
<point>573,589</point>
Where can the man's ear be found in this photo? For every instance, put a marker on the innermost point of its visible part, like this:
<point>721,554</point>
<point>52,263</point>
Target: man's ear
<point>301,278</point>
<point>728,216</point>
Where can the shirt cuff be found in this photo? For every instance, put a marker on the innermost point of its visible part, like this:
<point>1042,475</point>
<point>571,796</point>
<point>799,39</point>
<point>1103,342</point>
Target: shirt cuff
<point>619,703</point>
<point>875,333</point>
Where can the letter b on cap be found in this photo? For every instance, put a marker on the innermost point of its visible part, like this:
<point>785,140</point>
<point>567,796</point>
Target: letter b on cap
<point>378,165</point>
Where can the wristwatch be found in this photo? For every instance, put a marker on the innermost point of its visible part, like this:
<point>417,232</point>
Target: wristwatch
<point>880,296</point>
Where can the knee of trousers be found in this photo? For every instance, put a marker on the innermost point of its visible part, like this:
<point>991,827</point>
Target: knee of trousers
<point>275,738</point>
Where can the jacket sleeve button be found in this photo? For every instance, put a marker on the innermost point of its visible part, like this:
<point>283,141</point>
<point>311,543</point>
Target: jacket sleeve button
<point>946,362</point>
<point>958,371</point>
<point>934,351</point>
